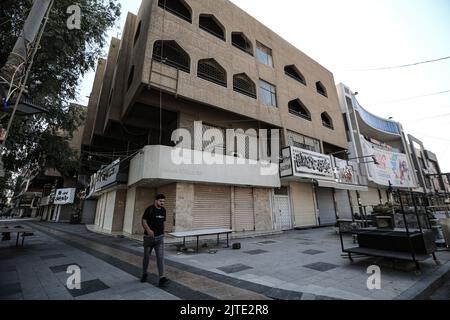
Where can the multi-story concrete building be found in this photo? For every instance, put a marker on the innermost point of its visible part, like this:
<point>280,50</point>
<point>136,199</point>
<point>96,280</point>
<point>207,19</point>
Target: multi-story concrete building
<point>181,62</point>
<point>429,175</point>
<point>380,147</point>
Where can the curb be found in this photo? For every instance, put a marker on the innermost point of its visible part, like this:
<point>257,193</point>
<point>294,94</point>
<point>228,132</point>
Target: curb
<point>427,285</point>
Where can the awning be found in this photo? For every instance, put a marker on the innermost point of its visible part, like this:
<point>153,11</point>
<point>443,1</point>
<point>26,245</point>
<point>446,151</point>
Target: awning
<point>342,186</point>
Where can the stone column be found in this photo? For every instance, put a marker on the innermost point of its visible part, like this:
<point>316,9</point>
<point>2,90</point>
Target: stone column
<point>184,219</point>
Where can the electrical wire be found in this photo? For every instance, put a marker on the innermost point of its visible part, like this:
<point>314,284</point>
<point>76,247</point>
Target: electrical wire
<point>401,66</point>
<point>412,98</point>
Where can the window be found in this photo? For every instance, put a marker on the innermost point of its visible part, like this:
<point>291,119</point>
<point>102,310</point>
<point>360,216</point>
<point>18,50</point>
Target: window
<point>327,121</point>
<point>321,89</point>
<point>268,93</point>
<point>293,72</point>
<point>130,78</point>
<point>264,54</point>
<point>240,41</point>
<point>303,142</point>
<point>138,32</point>
<point>171,54</point>
<point>243,84</point>
<point>178,8</point>
<point>296,107</point>
<point>210,70</point>
<point>210,24</point>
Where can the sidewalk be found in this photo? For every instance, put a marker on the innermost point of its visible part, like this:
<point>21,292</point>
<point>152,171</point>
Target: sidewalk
<point>38,272</point>
<point>304,264</point>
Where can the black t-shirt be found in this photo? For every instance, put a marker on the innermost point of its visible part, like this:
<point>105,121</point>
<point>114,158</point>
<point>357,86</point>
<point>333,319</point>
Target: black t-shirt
<point>155,219</point>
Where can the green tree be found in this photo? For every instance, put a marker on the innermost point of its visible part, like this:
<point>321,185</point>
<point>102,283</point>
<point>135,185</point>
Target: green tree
<point>63,58</point>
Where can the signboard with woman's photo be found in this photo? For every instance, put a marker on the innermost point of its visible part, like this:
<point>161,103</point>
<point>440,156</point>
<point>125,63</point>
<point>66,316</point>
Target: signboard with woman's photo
<point>391,167</point>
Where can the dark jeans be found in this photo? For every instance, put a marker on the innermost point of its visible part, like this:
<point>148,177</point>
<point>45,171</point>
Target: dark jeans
<point>158,245</point>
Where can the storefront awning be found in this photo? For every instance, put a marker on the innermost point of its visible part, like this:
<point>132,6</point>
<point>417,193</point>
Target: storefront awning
<point>342,186</point>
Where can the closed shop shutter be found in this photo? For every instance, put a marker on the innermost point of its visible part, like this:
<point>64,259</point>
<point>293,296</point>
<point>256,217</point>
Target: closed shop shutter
<point>325,202</point>
<point>170,192</point>
<point>212,206</point>
<point>244,209</point>
<point>343,204</point>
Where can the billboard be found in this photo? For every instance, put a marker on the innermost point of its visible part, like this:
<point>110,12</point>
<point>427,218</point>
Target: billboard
<point>391,167</point>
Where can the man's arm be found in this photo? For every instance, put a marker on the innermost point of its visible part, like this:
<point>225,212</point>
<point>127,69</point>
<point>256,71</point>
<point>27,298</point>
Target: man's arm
<point>147,228</point>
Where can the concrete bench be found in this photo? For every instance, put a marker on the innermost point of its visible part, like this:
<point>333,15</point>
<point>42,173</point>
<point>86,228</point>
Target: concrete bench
<point>199,233</point>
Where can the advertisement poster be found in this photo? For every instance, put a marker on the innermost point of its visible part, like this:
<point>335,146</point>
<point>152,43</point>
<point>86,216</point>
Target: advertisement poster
<point>392,167</point>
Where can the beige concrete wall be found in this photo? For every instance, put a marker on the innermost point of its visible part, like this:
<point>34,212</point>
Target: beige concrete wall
<point>263,209</point>
<point>137,200</point>
<point>115,211</point>
<point>200,45</point>
<point>303,204</point>
<point>99,122</point>
<point>93,102</point>
<point>184,218</point>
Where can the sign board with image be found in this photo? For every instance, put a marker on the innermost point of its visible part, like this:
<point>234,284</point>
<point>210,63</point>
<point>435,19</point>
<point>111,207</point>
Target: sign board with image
<point>64,196</point>
<point>391,167</point>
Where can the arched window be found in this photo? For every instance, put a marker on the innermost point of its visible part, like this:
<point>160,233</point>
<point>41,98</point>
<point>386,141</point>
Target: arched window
<point>243,84</point>
<point>130,78</point>
<point>177,7</point>
<point>296,107</point>
<point>138,32</point>
<point>327,121</point>
<point>210,24</point>
<point>321,89</point>
<point>171,54</point>
<point>210,70</point>
<point>293,72</point>
<point>240,41</point>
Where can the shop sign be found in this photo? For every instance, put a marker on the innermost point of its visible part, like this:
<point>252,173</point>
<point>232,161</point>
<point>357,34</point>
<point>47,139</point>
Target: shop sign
<point>345,172</point>
<point>309,162</point>
<point>391,168</point>
<point>64,196</point>
<point>286,163</point>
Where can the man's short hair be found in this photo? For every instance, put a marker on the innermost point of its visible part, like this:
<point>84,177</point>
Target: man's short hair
<point>160,197</point>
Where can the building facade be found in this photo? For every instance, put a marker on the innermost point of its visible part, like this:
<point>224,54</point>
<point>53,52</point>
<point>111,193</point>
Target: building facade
<point>381,149</point>
<point>196,67</point>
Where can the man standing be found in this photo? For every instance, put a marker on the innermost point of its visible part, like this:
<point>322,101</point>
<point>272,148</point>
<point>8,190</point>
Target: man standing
<point>153,223</point>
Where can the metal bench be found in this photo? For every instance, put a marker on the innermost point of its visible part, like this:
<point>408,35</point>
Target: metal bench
<point>200,233</point>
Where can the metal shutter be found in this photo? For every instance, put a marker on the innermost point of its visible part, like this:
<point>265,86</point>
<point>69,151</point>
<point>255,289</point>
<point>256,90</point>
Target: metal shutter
<point>370,199</point>
<point>244,214</point>
<point>343,204</point>
<point>170,192</point>
<point>212,206</point>
<point>325,203</point>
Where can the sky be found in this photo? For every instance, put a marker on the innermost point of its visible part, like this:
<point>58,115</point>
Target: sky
<point>351,37</point>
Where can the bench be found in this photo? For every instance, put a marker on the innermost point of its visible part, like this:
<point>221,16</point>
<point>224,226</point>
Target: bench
<point>200,233</point>
<point>26,232</point>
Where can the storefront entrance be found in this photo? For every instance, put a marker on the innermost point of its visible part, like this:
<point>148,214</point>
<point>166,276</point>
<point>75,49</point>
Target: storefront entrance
<point>282,210</point>
<point>325,203</point>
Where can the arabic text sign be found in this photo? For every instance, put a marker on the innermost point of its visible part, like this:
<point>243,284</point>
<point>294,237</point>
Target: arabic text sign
<point>392,167</point>
<point>64,196</point>
<point>309,162</point>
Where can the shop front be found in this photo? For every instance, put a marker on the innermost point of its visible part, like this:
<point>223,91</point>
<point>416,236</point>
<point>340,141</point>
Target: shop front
<point>319,186</point>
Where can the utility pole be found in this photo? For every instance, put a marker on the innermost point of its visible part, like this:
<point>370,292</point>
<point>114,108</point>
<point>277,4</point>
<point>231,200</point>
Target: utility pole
<point>21,60</point>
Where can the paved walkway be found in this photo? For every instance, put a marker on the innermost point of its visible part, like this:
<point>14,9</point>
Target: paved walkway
<point>295,265</point>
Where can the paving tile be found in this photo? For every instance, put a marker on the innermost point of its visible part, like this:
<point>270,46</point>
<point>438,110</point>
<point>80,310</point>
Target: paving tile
<point>63,267</point>
<point>88,287</point>
<point>256,252</point>
<point>321,266</point>
<point>53,256</point>
<point>10,289</point>
<point>268,242</point>
<point>234,268</point>
<point>6,268</point>
<point>313,252</point>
